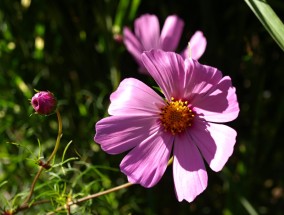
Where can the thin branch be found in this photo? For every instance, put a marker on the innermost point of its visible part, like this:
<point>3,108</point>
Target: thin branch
<point>91,197</point>
<point>48,161</point>
<point>27,206</point>
<point>32,187</point>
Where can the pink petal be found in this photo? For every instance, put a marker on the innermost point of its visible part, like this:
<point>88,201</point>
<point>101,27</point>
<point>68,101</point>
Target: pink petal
<point>197,46</point>
<point>147,162</point>
<point>133,97</point>
<point>167,68</point>
<point>117,134</point>
<point>171,33</point>
<point>190,176</point>
<point>147,30</point>
<point>132,44</point>
<point>199,79</point>
<point>215,141</point>
<point>220,103</point>
<point>212,96</point>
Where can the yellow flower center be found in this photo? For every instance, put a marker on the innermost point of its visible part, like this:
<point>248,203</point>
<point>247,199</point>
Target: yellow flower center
<point>176,116</point>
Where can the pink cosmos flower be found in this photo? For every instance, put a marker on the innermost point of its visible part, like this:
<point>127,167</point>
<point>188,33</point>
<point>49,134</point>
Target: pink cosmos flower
<point>147,36</point>
<point>185,124</point>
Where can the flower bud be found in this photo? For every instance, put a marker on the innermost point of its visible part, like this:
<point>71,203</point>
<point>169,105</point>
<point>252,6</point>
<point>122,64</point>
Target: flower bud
<point>44,102</point>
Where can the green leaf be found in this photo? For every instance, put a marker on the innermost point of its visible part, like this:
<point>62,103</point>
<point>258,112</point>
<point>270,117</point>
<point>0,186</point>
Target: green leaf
<point>133,9</point>
<point>3,183</point>
<point>122,7</point>
<point>269,20</point>
<point>125,7</point>
<point>247,205</point>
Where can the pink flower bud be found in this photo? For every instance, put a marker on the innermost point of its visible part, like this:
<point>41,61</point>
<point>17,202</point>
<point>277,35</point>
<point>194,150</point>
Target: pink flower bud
<point>44,102</point>
<point>118,38</point>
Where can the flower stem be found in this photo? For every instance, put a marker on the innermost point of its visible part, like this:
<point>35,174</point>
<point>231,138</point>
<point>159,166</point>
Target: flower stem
<point>48,161</point>
<point>59,135</point>
<point>101,193</point>
<point>26,206</point>
<point>32,187</point>
<point>92,197</point>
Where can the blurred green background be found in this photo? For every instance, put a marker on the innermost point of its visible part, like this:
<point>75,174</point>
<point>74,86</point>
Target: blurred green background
<point>68,48</point>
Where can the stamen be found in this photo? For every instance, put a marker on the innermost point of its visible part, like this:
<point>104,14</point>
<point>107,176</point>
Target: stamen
<point>176,116</point>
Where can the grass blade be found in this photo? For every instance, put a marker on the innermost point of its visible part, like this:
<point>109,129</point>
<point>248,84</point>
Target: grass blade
<point>269,20</point>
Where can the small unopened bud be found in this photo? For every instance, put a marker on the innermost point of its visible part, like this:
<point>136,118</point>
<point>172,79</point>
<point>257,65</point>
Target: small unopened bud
<point>118,38</point>
<point>44,165</point>
<point>44,102</point>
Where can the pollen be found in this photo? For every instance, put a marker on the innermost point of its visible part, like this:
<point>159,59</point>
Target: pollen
<point>176,116</point>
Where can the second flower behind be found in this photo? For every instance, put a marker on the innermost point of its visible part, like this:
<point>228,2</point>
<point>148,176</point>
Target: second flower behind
<point>147,36</point>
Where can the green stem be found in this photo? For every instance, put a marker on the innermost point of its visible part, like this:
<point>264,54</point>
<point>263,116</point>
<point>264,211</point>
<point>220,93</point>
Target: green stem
<point>32,187</point>
<point>48,161</point>
<point>58,138</point>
